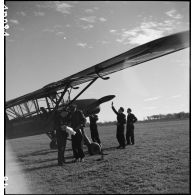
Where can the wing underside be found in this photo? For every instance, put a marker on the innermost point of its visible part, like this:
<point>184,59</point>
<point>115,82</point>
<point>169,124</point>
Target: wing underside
<point>133,57</point>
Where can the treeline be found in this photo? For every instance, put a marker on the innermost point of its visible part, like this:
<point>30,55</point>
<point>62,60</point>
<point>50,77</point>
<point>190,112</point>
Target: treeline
<point>158,117</point>
<point>107,123</point>
<point>180,115</point>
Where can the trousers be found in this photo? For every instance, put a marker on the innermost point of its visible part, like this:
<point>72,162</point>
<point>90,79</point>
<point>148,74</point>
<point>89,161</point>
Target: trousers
<point>130,134</point>
<point>94,134</point>
<point>77,145</point>
<point>61,142</point>
<point>120,135</point>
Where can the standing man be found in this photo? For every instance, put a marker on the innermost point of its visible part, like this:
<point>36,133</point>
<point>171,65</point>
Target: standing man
<point>61,135</point>
<point>77,122</point>
<point>93,128</point>
<point>131,119</point>
<point>121,120</point>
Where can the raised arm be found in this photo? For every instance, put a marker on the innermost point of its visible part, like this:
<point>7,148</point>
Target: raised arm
<point>113,108</point>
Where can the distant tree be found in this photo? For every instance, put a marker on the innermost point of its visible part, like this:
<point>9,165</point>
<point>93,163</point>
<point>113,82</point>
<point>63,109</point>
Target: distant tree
<point>180,115</point>
<point>156,117</point>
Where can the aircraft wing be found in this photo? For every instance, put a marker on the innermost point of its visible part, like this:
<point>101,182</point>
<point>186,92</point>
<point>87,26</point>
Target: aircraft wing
<point>132,57</point>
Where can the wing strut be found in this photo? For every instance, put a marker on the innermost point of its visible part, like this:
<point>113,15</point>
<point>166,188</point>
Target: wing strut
<point>82,91</point>
<point>62,95</point>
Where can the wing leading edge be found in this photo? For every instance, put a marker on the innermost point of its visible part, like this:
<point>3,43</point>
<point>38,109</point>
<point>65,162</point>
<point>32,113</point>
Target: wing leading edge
<point>132,57</point>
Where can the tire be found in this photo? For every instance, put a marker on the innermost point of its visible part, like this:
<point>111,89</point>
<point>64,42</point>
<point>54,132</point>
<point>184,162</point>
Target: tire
<point>53,145</point>
<point>94,148</point>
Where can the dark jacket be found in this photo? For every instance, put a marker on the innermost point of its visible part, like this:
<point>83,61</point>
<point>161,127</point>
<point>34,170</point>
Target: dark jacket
<point>121,118</point>
<point>131,118</point>
<point>77,119</point>
<point>58,122</point>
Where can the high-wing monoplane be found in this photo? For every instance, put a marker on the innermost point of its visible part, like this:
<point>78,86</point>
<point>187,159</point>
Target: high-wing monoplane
<point>31,114</point>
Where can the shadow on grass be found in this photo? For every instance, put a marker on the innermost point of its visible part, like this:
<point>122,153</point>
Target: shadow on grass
<point>109,149</point>
<point>40,167</point>
<point>45,152</point>
<point>41,152</point>
<point>49,151</point>
<point>53,164</point>
<point>36,153</point>
<point>49,166</point>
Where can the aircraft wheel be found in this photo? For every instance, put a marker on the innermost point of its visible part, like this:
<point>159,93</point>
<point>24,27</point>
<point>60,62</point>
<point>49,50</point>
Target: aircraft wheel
<point>53,145</point>
<point>94,148</point>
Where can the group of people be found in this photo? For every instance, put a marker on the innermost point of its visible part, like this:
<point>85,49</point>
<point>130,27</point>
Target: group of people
<point>121,121</point>
<point>73,122</point>
<point>120,133</point>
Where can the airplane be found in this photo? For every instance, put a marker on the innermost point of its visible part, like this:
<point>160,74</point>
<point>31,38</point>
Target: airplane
<point>26,115</point>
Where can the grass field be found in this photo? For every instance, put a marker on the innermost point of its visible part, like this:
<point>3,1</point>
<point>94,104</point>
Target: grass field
<point>159,162</point>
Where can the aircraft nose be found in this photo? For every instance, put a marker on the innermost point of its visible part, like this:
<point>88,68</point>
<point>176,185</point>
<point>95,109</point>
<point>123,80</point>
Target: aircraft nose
<point>94,107</point>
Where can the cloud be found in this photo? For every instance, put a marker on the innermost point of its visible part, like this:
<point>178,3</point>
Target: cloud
<point>175,96</point>
<point>39,13</point>
<point>87,26</point>
<point>68,25</point>
<point>112,31</point>
<point>102,19</point>
<point>82,45</point>
<point>173,14</point>
<point>89,10</point>
<point>103,42</point>
<point>96,8</point>
<point>59,6</point>
<point>146,36</point>
<point>14,21</point>
<point>152,99</point>
<point>139,36</point>
<point>56,30</point>
<point>90,19</point>
<point>62,7</point>
<point>60,33</point>
<point>147,31</point>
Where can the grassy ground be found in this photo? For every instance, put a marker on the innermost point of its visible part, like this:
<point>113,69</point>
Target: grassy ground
<point>157,163</point>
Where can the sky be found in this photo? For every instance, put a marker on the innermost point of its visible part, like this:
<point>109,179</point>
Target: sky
<point>50,40</point>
